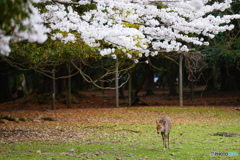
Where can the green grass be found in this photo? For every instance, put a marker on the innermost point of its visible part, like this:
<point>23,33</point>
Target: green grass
<point>188,140</point>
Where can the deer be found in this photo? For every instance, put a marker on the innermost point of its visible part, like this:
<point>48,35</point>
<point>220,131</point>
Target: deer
<point>164,127</point>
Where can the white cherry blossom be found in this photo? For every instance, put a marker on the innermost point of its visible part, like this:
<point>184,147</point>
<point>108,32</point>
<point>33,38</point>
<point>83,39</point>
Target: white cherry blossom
<point>35,30</point>
<point>132,26</point>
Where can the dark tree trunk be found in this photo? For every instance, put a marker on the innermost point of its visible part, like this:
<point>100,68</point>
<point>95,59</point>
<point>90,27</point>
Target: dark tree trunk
<point>61,84</point>
<point>149,80</point>
<point>5,93</point>
<point>44,84</point>
<point>54,90</point>
<point>171,77</point>
<point>210,80</point>
<point>230,79</point>
<point>69,87</point>
<point>137,82</point>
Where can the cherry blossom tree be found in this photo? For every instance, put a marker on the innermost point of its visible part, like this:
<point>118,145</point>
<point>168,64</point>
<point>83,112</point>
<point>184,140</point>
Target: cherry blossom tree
<point>127,28</point>
<point>139,28</point>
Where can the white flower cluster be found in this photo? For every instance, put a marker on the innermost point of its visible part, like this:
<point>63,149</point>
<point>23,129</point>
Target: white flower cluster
<point>168,29</point>
<point>35,32</point>
<point>136,25</point>
<point>4,43</point>
<point>107,51</point>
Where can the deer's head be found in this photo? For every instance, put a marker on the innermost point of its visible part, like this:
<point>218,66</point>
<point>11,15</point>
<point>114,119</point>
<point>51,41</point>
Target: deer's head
<point>159,127</point>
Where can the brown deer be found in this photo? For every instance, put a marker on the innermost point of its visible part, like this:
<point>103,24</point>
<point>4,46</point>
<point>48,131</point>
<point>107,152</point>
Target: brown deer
<point>164,126</point>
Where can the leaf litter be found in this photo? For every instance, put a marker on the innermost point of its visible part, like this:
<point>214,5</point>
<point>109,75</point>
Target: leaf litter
<point>78,123</point>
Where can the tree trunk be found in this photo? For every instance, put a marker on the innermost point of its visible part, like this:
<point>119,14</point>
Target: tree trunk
<point>214,74</point>
<point>192,92</point>
<point>54,89</point>
<point>121,90</point>
<point>149,80</point>
<point>210,81</point>
<point>130,90</point>
<point>61,84</point>
<point>5,92</point>
<point>229,79</point>
<point>116,83</point>
<point>171,79</point>
<point>180,81</point>
<point>69,87</point>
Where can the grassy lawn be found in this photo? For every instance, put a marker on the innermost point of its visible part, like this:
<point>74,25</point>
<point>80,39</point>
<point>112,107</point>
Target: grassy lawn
<point>120,133</point>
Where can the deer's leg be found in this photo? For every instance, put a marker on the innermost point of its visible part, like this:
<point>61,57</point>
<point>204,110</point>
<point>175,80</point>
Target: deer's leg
<point>168,139</point>
<point>163,139</point>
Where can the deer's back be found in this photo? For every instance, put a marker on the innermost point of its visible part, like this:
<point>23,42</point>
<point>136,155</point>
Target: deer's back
<point>167,122</point>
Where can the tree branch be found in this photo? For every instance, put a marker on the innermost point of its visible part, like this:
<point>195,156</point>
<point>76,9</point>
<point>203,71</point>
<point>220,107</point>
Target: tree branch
<point>62,2</point>
<point>88,79</point>
<point>74,3</point>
